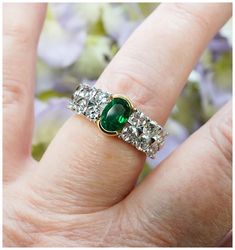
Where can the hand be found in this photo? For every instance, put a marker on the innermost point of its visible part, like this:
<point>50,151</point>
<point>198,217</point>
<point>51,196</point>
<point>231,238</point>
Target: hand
<point>82,191</point>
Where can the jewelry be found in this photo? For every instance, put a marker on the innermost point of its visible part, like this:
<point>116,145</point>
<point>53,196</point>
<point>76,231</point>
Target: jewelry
<point>116,116</point>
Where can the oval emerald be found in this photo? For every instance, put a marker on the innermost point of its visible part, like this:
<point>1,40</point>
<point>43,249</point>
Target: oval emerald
<point>115,115</point>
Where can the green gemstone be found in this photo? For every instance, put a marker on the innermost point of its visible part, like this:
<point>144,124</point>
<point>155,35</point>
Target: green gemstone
<point>115,115</point>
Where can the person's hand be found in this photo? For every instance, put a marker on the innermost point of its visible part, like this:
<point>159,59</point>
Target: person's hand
<point>82,191</point>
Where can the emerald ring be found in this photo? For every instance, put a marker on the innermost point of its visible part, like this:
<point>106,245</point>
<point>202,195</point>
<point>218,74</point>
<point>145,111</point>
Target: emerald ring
<point>116,116</point>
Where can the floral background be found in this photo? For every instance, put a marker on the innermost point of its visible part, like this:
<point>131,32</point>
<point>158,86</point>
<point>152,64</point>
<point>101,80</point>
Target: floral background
<point>77,43</point>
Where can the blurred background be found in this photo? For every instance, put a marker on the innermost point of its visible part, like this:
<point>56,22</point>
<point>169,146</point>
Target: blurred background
<point>77,43</point>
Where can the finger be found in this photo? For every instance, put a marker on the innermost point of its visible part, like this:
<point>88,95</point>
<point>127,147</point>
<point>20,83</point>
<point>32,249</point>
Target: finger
<point>151,69</point>
<point>153,66</point>
<point>187,200</point>
<point>21,28</point>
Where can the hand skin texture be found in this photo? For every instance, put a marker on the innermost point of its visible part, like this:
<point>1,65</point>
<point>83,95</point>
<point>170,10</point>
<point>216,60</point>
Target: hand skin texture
<point>82,191</point>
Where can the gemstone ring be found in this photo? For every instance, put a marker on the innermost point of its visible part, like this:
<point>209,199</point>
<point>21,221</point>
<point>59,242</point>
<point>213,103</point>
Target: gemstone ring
<point>116,116</point>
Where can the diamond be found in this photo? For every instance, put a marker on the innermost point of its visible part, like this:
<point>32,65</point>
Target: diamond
<point>81,106</point>
<point>102,97</point>
<point>129,134</point>
<point>144,142</point>
<point>84,91</point>
<point>92,93</point>
<point>155,143</point>
<point>138,119</point>
<point>92,112</point>
<point>150,152</point>
<point>151,128</point>
<point>72,106</point>
<point>75,95</point>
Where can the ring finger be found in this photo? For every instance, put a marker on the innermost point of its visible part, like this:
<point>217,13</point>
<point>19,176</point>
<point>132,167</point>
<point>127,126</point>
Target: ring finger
<point>151,68</point>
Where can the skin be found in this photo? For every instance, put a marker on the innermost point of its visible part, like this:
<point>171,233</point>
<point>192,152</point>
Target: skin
<point>82,191</point>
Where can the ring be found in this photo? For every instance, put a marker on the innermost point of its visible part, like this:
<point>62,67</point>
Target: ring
<point>116,116</point>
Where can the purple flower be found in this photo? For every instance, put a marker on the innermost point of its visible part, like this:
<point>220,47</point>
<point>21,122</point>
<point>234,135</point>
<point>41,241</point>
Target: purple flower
<point>218,46</point>
<point>177,134</point>
<point>49,117</point>
<point>77,17</point>
<point>59,47</point>
<point>117,20</point>
<point>212,96</point>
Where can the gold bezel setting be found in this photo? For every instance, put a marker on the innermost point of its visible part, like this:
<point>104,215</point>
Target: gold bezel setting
<point>131,107</point>
<point>109,133</point>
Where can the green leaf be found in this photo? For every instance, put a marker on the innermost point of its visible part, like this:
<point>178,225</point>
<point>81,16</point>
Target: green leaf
<point>97,28</point>
<point>206,59</point>
<point>223,71</point>
<point>38,150</point>
<point>146,170</point>
<point>46,95</point>
<point>96,55</point>
<point>148,8</point>
<point>189,107</point>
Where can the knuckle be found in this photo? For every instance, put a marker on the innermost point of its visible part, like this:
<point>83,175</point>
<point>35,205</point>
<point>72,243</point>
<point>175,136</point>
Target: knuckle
<point>14,92</point>
<point>30,222</point>
<point>128,83</point>
<point>18,34</point>
<point>15,226</point>
<point>220,133</point>
<point>134,83</point>
<point>147,228</point>
<point>17,39</point>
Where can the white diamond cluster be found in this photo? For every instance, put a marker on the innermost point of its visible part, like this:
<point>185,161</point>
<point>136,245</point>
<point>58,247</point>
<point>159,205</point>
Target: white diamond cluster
<point>143,133</point>
<point>89,101</point>
<point>140,131</point>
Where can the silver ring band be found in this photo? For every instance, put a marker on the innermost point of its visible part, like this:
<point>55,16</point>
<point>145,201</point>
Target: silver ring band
<point>138,130</point>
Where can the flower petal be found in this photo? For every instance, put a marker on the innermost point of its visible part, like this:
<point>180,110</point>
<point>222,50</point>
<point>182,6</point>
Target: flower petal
<point>49,118</point>
<point>59,47</point>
